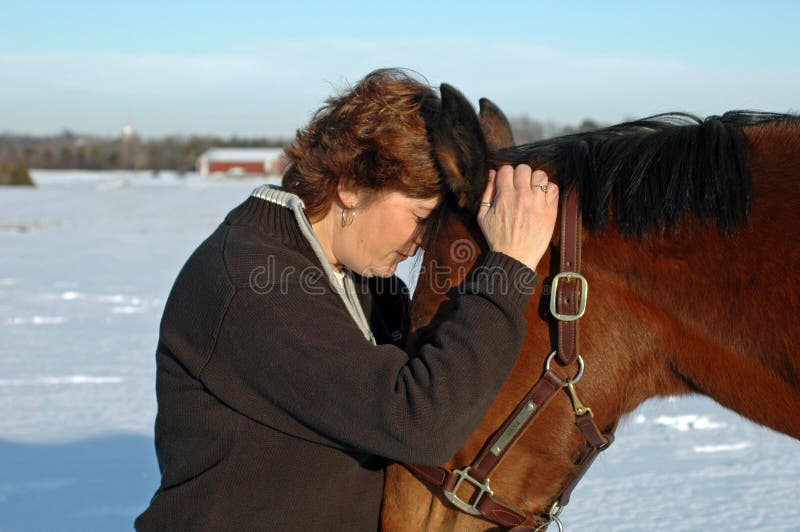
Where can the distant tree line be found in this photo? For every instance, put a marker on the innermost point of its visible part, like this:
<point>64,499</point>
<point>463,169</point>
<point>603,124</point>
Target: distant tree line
<point>527,130</point>
<point>130,152</point>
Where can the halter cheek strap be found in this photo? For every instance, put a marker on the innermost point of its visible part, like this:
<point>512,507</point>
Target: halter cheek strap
<point>570,289</point>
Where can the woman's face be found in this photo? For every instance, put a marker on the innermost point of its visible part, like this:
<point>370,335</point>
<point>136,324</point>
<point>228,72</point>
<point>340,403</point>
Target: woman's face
<point>385,231</point>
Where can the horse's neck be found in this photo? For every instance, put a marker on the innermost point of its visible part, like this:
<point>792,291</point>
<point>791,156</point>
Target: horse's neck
<point>708,312</point>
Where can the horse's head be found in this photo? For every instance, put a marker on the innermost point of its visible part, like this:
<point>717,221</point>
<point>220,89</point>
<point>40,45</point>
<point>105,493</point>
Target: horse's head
<point>543,463</point>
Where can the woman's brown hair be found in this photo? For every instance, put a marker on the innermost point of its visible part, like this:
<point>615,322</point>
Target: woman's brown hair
<point>377,134</point>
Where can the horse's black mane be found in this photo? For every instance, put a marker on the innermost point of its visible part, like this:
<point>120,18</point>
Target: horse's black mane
<point>656,170</point>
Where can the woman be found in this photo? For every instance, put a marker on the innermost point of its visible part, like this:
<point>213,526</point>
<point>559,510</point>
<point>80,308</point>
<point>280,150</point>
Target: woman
<point>282,387</point>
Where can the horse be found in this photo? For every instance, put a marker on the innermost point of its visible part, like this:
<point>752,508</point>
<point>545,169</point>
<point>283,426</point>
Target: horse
<point>690,246</point>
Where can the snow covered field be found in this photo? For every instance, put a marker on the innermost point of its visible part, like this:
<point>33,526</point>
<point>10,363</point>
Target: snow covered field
<point>87,261</point>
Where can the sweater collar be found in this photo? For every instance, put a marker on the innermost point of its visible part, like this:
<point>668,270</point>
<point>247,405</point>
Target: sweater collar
<point>286,213</point>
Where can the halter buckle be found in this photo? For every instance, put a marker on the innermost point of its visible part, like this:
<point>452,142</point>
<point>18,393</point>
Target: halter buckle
<point>568,276</point>
<point>466,506</point>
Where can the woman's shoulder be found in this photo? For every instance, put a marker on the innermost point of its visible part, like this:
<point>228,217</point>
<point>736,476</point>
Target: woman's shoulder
<point>248,251</point>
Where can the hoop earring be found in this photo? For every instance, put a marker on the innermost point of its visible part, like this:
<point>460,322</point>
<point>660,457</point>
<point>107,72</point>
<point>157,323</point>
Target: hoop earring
<point>348,220</point>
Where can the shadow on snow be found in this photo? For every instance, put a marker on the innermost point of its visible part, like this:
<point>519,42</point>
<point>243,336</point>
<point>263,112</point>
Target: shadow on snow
<point>97,484</point>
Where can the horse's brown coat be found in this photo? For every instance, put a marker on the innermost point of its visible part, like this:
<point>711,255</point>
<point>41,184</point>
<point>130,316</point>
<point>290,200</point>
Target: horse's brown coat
<point>691,311</point>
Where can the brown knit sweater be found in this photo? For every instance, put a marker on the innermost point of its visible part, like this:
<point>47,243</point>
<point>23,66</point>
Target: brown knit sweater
<point>275,412</point>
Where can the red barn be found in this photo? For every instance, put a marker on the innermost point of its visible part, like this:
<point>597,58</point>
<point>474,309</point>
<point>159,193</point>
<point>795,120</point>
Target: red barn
<point>241,161</point>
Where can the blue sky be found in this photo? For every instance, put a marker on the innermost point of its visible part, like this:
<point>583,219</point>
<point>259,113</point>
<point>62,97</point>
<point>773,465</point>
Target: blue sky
<point>261,68</point>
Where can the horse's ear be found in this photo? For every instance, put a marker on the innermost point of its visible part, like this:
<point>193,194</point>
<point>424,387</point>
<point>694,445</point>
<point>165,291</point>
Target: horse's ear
<point>496,127</point>
<point>460,148</point>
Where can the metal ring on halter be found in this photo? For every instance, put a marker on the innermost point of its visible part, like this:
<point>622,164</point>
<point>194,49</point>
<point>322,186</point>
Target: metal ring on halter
<point>485,204</point>
<point>553,514</point>
<point>552,517</point>
<point>580,366</point>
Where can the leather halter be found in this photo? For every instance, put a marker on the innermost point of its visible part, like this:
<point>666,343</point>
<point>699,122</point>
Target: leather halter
<point>567,304</point>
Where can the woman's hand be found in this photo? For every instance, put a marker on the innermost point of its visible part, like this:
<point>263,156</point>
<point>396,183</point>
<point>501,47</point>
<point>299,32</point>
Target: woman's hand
<point>521,212</point>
